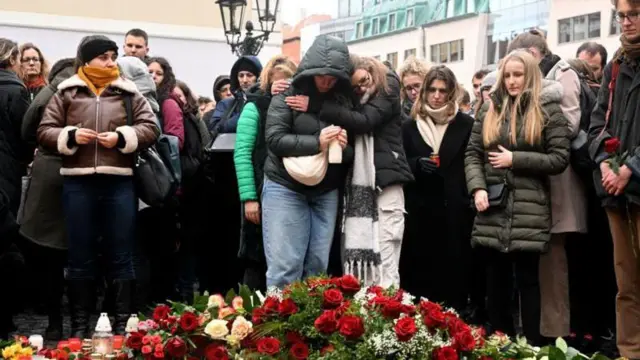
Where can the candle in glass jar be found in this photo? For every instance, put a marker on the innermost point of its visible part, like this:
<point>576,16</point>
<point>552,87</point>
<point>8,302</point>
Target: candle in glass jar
<point>118,340</point>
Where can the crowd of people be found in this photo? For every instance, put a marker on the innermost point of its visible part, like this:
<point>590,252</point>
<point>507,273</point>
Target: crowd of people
<point>509,208</point>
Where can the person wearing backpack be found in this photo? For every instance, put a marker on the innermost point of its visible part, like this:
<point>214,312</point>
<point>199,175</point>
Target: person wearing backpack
<point>86,122</point>
<point>567,195</point>
<point>615,130</point>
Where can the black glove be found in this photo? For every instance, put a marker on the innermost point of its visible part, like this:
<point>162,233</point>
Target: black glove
<point>427,166</point>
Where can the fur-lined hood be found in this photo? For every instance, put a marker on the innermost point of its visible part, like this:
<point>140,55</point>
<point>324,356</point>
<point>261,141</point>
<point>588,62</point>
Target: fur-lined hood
<point>119,83</point>
<point>552,92</point>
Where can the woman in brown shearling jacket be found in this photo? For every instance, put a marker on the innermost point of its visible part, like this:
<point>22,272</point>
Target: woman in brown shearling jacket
<point>86,122</point>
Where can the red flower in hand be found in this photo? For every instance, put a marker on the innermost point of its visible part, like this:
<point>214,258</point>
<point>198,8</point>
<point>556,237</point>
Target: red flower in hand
<point>332,298</point>
<point>405,328</point>
<point>327,323</point>
<point>299,351</point>
<point>287,307</point>
<point>161,312</point>
<point>612,145</point>
<point>268,346</point>
<point>351,327</point>
<point>189,322</point>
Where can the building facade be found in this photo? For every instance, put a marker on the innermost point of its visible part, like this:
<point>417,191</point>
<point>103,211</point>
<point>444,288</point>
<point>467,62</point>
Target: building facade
<point>190,37</point>
<point>572,22</point>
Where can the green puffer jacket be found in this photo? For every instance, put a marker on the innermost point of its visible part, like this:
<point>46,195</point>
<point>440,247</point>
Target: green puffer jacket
<point>523,225</point>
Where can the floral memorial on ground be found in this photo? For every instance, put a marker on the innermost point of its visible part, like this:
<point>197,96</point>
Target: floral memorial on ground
<point>320,318</point>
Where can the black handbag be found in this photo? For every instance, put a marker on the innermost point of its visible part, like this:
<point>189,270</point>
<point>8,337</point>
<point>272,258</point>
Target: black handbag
<point>154,181</point>
<point>498,194</point>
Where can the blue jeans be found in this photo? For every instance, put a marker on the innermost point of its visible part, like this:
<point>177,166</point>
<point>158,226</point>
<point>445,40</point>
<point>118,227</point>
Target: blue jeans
<point>100,206</point>
<point>297,232</point>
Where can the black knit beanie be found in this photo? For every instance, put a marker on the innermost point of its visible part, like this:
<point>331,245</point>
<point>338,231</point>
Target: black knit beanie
<point>94,46</point>
<point>248,65</point>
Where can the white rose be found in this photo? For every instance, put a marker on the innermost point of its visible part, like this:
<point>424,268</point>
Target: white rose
<point>241,327</point>
<point>216,301</point>
<point>217,329</point>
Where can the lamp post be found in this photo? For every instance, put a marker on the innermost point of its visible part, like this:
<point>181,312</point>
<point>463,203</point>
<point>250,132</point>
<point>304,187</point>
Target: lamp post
<point>232,12</point>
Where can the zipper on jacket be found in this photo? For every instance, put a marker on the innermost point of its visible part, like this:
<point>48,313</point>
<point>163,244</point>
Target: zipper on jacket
<point>95,161</point>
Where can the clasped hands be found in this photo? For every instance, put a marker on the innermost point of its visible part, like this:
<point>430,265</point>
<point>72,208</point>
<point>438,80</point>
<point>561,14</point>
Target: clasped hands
<point>499,160</point>
<point>613,183</point>
<point>107,139</point>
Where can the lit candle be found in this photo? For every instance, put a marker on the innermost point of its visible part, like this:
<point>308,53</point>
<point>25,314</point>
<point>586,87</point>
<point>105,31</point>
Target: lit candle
<point>102,347</point>
<point>36,341</point>
<point>118,340</point>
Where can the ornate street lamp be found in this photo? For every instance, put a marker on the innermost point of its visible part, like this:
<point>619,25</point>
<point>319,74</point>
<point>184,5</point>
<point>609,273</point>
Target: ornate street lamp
<point>232,12</point>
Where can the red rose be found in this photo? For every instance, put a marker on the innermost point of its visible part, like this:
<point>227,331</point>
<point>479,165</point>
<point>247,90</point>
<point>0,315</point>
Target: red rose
<point>176,347</point>
<point>134,341</point>
<point>379,300</point>
<point>258,316</point>
<point>271,305</point>
<point>445,353</point>
<point>268,346</point>
<point>332,298</point>
<point>344,307</point>
<point>349,284</point>
<point>376,289</point>
<point>158,355</point>
<point>189,322</point>
<point>293,337</point>
<point>409,309</point>
<point>427,306</point>
<point>434,320</point>
<point>456,325</point>
<point>465,341</point>
<point>392,309</point>
<point>327,323</point>
<point>287,307</point>
<point>405,328</point>
<point>299,351</point>
<point>351,327</point>
<point>612,145</point>
<point>216,352</point>
<point>161,312</point>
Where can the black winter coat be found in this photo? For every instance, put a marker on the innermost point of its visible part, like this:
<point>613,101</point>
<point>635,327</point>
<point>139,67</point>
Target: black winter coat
<point>14,154</point>
<point>291,134</point>
<point>624,123</point>
<point>43,221</point>
<point>439,217</point>
<point>381,115</point>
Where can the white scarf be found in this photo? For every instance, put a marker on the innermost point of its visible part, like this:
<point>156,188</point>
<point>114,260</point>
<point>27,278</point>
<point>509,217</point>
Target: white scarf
<point>433,128</point>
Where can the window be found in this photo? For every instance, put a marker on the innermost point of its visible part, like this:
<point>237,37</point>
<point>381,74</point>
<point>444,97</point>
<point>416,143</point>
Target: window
<point>375,26</point>
<point>410,18</point>
<point>393,59</point>
<point>448,52</point>
<point>450,8</point>
<point>579,28</point>
<point>392,22</point>
<point>409,53</point>
<point>359,30</point>
<point>615,28</point>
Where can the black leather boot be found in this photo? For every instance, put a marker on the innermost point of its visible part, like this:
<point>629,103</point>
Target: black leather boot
<point>82,295</point>
<point>55,290</point>
<point>123,300</point>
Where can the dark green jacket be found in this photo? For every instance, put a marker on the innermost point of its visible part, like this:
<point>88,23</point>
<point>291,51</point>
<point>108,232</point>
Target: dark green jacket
<point>523,225</point>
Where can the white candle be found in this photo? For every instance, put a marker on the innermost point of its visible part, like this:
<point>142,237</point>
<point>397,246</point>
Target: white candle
<point>36,341</point>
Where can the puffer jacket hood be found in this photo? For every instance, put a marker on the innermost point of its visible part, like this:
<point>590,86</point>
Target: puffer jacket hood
<point>235,84</point>
<point>61,70</point>
<point>220,82</point>
<point>136,70</point>
<point>328,55</point>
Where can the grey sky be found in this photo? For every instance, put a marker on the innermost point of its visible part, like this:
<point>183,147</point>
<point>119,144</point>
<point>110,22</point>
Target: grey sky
<point>293,10</point>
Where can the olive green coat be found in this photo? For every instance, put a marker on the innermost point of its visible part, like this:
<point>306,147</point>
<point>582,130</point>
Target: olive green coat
<point>524,223</point>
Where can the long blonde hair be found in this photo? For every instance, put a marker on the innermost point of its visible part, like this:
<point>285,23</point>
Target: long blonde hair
<point>280,63</point>
<point>527,103</point>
